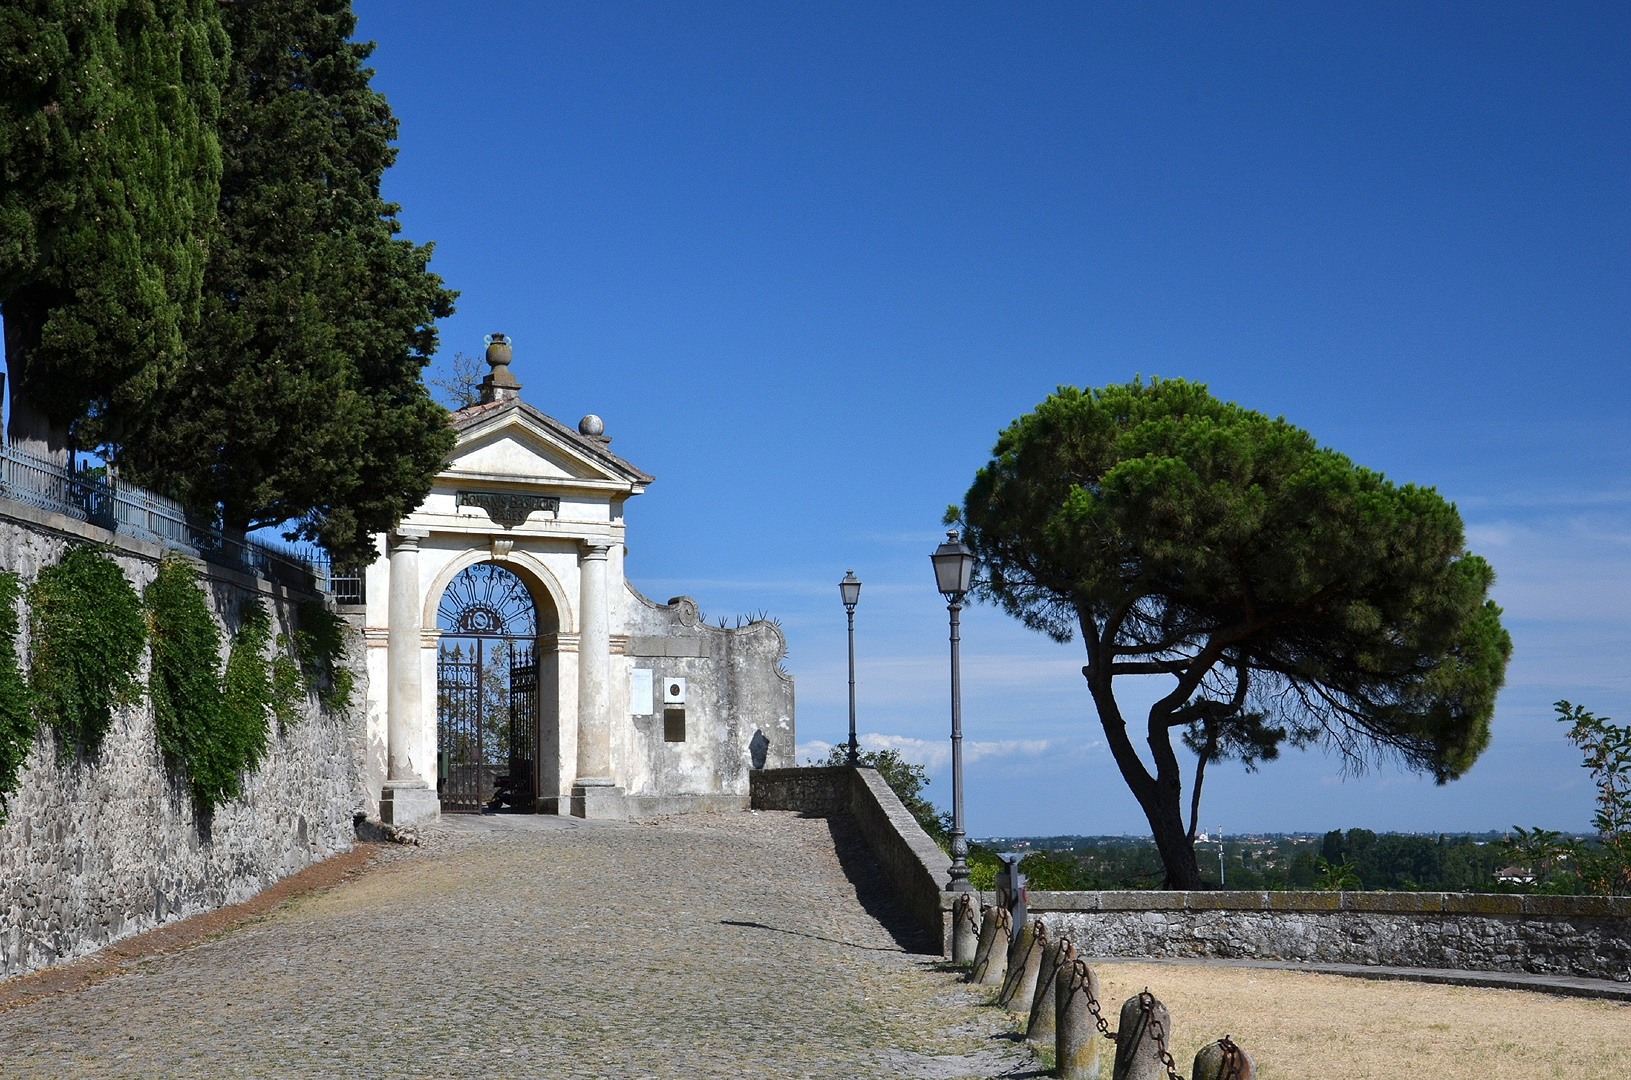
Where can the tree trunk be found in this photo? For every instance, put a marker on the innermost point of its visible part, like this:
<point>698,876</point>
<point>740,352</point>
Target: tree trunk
<point>1172,839</point>
<point>28,428</point>
<point>1160,797</point>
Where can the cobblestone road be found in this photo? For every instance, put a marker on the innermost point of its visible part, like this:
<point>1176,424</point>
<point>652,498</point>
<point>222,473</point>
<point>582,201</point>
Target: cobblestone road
<point>709,946</point>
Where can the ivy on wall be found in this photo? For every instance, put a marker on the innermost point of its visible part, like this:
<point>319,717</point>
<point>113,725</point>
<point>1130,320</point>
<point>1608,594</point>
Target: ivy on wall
<point>212,726</point>
<point>320,645</point>
<point>246,686</point>
<point>86,634</point>
<point>184,684</point>
<point>87,631</point>
<point>16,710</point>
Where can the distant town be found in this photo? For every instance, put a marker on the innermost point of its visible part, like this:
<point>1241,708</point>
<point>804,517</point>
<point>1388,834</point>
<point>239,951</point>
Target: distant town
<point>1356,859</point>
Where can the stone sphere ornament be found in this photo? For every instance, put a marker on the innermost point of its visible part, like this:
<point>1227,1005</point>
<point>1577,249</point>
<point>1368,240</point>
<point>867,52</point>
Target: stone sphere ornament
<point>592,426</point>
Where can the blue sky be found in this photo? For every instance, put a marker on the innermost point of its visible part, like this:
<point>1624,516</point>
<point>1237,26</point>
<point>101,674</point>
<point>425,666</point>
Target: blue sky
<point>806,260</point>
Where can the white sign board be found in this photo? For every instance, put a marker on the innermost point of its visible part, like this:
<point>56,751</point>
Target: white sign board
<point>640,692</point>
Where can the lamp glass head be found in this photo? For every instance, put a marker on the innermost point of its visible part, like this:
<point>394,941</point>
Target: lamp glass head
<point>850,589</point>
<point>953,567</point>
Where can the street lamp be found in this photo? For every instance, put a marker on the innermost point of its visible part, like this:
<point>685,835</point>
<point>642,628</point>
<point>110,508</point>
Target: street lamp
<point>953,573</point>
<point>850,590</point>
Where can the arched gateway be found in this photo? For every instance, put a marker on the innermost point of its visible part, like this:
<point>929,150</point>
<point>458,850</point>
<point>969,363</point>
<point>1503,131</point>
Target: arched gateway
<point>507,652</point>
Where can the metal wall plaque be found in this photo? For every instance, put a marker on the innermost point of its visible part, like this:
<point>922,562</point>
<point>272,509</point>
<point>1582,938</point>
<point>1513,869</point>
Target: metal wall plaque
<point>507,508</point>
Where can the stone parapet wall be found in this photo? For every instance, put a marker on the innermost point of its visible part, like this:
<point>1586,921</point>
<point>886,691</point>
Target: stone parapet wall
<point>1587,936</point>
<point>97,850</point>
<point>915,865</point>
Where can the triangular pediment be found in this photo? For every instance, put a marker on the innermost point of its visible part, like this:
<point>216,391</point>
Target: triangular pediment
<point>513,442</point>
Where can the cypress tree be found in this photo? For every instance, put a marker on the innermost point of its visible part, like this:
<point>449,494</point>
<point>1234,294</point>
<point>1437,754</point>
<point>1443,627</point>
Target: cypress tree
<point>109,178</point>
<point>301,399</point>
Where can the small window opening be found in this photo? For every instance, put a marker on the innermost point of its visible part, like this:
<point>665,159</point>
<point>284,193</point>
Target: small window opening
<point>674,725</point>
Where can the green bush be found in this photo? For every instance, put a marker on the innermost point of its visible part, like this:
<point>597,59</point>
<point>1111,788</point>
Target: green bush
<point>188,706</point>
<point>16,713</point>
<point>907,781</point>
<point>85,643</point>
<point>319,643</point>
<point>211,726</point>
<point>249,698</point>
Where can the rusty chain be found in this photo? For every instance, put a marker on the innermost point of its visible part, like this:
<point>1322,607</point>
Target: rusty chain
<point>1080,976</point>
<point>1234,1061</point>
<point>1146,1002</point>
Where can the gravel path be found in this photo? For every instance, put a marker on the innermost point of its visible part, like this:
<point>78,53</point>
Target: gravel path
<point>707,946</point>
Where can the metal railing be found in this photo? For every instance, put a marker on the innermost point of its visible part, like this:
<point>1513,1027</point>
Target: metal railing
<point>97,496</point>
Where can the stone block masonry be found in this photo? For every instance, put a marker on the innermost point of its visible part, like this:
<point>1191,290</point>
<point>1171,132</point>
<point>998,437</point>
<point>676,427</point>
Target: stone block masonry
<point>1585,936</point>
<point>96,850</point>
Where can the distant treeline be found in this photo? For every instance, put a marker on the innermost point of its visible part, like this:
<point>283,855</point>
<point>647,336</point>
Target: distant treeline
<point>1357,859</point>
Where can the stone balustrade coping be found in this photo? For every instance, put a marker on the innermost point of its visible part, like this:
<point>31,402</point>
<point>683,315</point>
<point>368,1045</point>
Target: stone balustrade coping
<point>1393,903</point>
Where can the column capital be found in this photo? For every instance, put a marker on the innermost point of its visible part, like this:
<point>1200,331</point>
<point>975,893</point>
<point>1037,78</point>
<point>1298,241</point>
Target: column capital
<point>593,549</point>
<point>408,539</point>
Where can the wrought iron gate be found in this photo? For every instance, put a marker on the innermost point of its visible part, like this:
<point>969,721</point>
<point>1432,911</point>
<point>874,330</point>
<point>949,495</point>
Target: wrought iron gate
<point>486,694</point>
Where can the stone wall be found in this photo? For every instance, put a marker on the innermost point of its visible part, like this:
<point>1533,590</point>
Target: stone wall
<point>1587,936</point>
<point>97,850</point>
<point>916,867</point>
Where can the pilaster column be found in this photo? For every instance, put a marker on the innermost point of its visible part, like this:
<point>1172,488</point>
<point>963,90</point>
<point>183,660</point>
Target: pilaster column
<point>402,645</point>
<point>406,798</point>
<point>594,670</point>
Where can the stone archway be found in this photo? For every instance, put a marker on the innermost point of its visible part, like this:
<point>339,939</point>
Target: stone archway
<point>497,655</point>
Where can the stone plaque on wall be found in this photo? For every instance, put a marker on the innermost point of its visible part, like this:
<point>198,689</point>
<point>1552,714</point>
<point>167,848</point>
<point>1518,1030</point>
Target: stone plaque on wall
<point>508,509</point>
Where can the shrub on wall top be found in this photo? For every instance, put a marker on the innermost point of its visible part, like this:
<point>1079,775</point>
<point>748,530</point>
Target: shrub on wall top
<point>85,642</point>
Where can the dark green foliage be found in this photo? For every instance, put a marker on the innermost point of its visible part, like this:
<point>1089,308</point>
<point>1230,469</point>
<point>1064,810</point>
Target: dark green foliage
<point>320,645</point>
<point>301,399</point>
<point>1607,748</point>
<point>109,178</point>
<point>211,725</point>
<point>249,698</point>
<point>185,685</point>
<point>16,712</point>
<point>1359,859</point>
<point>1054,872</point>
<point>1564,864</point>
<point>1290,595</point>
<point>907,781</point>
<point>86,634</point>
<point>983,865</point>
<point>288,686</point>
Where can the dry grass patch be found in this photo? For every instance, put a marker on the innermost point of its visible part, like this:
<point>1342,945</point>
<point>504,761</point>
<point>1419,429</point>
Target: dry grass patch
<point>1301,1025</point>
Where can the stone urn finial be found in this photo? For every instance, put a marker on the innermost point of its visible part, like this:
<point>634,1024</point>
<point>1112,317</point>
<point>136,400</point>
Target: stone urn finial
<point>499,385</point>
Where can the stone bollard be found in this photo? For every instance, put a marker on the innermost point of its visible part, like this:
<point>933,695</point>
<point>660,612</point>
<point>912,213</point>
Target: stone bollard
<point>1043,1004</point>
<point>990,951</point>
<point>1223,1060</point>
<point>1024,965</point>
<point>992,958</point>
<point>1076,1024</point>
<point>965,929</point>
<point>1142,1038</point>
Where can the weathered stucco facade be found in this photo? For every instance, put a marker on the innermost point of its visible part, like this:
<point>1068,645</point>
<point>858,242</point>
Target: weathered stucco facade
<point>545,502</point>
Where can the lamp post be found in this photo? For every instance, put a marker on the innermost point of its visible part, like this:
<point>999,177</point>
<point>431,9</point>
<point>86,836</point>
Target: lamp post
<point>953,573</point>
<point>850,590</point>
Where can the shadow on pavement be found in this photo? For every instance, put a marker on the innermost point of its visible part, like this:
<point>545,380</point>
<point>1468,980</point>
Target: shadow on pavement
<point>873,890</point>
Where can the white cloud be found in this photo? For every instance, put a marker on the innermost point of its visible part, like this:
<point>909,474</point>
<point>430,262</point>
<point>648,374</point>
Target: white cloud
<point>936,753</point>
<point>932,754</point>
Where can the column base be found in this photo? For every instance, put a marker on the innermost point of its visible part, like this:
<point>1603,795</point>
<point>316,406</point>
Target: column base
<point>408,802</point>
<point>598,800</point>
